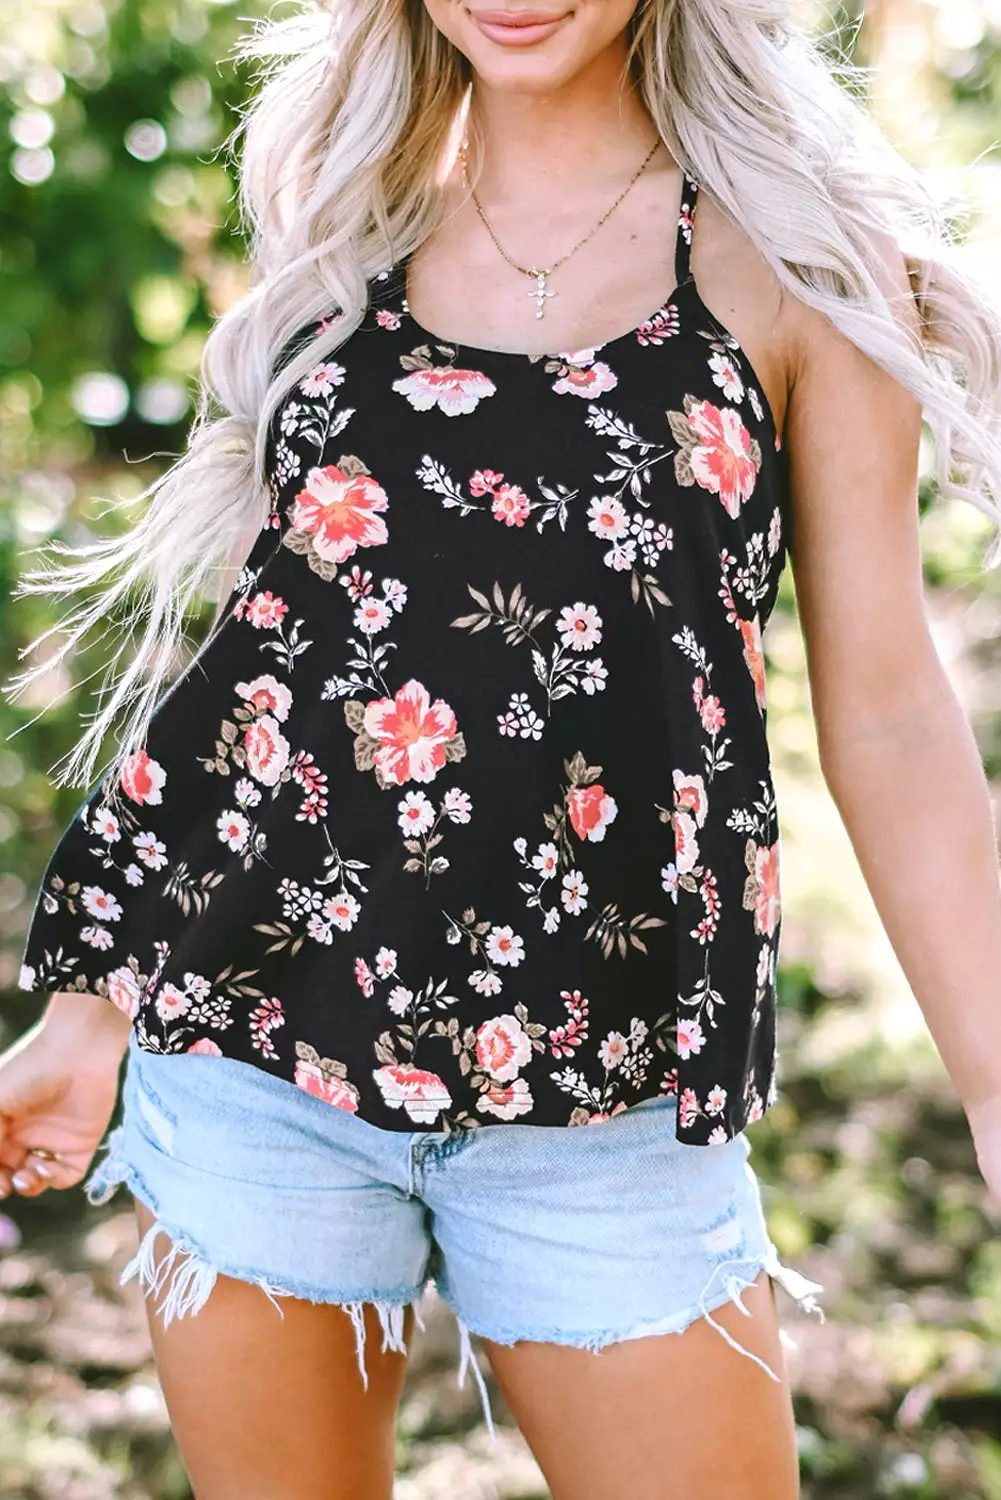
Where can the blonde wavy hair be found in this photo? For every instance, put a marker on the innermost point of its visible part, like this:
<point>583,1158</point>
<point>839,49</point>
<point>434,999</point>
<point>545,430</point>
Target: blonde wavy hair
<point>339,176</point>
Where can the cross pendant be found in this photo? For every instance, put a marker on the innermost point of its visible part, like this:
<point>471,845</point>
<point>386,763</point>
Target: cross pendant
<point>540,294</point>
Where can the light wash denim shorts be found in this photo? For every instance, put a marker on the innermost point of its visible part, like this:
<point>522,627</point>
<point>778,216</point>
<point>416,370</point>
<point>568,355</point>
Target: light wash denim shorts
<point>581,1235</point>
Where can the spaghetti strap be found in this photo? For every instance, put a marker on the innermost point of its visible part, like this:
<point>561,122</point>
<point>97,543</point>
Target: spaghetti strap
<point>683,243</point>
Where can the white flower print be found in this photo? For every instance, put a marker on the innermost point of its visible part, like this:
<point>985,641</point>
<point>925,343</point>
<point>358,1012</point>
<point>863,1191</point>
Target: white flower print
<point>579,626</point>
<point>551,920</point>
<point>504,946</point>
<point>150,851</point>
<point>399,998</point>
<point>342,910</point>
<point>502,1047</point>
<point>716,1101</point>
<point>574,892</point>
<point>322,379</point>
<point>726,375</point>
<point>595,675</point>
<point>234,830</point>
<point>133,875</point>
<point>485,982</point>
<point>717,1136</point>
<point>100,904</point>
<point>171,1002</point>
<point>613,1049</point>
<point>690,1037</point>
<point>97,937</point>
<point>246,793</point>
<point>580,374</point>
<point>546,860</point>
<point>608,518</point>
<point>457,805</point>
<point>372,615</point>
<point>621,557</point>
<point>106,825</point>
<point>416,813</point>
<point>385,962</point>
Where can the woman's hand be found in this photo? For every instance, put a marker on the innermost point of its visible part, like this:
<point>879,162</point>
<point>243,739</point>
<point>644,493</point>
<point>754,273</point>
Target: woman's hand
<point>58,1087</point>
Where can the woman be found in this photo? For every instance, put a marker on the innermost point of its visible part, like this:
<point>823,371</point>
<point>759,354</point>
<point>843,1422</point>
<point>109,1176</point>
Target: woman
<point>463,825</point>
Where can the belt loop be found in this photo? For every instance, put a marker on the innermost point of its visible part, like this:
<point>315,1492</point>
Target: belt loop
<point>414,1153</point>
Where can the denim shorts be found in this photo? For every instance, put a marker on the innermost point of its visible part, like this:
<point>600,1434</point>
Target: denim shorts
<point>581,1235</point>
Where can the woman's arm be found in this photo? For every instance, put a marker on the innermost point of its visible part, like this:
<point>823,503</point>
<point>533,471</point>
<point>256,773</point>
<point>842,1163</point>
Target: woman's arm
<point>896,749</point>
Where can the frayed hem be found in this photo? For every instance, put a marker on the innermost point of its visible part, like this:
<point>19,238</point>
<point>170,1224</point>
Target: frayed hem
<point>799,1287</point>
<point>186,1276</point>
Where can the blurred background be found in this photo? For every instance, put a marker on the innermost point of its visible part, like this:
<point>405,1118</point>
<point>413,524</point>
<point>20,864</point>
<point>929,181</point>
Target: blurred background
<point>118,246</point>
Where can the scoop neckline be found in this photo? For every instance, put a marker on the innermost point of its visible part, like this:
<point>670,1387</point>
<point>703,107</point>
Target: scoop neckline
<point>687,286</point>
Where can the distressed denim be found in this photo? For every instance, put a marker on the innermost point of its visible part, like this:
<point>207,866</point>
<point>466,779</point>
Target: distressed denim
<point>583,1235</point>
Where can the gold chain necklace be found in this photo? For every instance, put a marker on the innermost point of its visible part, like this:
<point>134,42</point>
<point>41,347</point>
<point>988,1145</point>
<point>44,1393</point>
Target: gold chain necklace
<point>541,292</point>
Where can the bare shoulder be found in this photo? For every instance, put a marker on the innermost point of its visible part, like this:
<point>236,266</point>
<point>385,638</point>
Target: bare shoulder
<point>740,288</point>
<point>784,338</point>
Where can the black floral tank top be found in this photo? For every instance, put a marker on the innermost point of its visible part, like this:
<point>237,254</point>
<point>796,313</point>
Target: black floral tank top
<point>464,814</point>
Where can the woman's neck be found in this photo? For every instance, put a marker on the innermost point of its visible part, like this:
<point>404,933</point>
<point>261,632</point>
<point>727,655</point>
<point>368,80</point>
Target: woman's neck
<point>582,139</point>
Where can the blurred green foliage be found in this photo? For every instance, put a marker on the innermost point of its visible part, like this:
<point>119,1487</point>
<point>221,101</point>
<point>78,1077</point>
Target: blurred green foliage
<point>119,243</point>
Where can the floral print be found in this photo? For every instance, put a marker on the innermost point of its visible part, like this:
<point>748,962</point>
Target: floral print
<point>464,814</point>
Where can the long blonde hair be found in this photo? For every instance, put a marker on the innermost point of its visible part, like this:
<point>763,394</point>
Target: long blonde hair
<point>339,176</point>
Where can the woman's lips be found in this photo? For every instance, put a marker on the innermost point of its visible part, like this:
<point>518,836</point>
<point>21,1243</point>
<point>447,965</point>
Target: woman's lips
<point>518,28</point>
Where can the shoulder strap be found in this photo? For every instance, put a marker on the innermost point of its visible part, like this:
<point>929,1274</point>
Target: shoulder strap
<point>686,219</point>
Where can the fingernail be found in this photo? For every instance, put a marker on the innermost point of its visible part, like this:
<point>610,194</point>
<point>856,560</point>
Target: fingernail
<point>42,1169</point>
<point>21,1181</point>
<point>4,1190</point>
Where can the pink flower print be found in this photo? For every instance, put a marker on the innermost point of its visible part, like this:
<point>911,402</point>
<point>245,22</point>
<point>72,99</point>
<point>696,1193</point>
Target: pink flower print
<point>484,482</point>
<point>688,1107</point>
<point>412,733</point>
<point>267,750</point>
<point>766,893</point>
<point>357,583</point>
<point>726,375</point>
<point>372,616</point>
<point>323,1082</point>
<point>579,626</point>
<point>506,1100</point>
<point>600,1118</point>
<point>721,458</point>
<point>504,946</point>
<point>385,962</point>
<point>690,1038</point>
<point>206,1047</point>
<point>455,392</point>
<point>100,904</point>
<point>686,845</point>
<point>712,714</point>
<point>143,779</point>
<point>266,612</point>
<point>387,319</point>
<point>365,977</point>
<point>340,512</point>
<point>123,991</point>
<point>608,518</point>
<point>322,379</point>
<point>581,375</point>
<point>664,324</point>
<point>591,811</point>
<point>690,796</point>
<point>502,1047</point>
<point>754,656</point>
<point>267,694</point>
<point>565,1038</point>
<point>511,505</point>
<point>422,1094</point>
